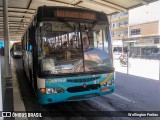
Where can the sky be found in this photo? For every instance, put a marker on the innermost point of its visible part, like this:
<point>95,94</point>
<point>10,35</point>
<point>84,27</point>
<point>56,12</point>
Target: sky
<point>145,13</point>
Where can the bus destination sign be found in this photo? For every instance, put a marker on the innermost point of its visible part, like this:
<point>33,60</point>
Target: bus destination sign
<point>75,14</point>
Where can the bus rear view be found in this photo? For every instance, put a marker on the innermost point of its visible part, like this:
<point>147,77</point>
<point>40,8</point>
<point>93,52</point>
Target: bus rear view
<point>71,55</point>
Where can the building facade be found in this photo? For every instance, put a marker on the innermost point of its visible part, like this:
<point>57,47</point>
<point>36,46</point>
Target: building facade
<point>143,41</point>
<point>119,28</point>
<point>137,31</point>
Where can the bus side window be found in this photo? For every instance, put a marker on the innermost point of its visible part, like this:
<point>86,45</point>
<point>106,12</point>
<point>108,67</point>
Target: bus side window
<point>30,48</point>
<point>31,38</point>
<point>90,38</point>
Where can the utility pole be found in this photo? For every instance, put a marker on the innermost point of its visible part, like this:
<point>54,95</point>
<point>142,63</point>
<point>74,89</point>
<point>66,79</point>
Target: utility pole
<point>159,49</point>
<point>159,54</point>
<point>123,42</point>
<point>128,62</point>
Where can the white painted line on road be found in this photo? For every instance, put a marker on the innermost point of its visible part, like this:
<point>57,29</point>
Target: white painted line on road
<point>123,97</point>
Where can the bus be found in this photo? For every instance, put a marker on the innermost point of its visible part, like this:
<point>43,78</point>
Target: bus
<point>67,54</point>
<point>16,50</point>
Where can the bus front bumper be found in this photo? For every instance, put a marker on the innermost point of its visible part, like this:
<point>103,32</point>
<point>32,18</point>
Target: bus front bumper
<point>67,96</point>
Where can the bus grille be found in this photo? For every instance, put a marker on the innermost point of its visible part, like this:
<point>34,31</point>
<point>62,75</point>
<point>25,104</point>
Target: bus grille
<point>81,88</point>
<point>82,80</point>
<point>83,96</point>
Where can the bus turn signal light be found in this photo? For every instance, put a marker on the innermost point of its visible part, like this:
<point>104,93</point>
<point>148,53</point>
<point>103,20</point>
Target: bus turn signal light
<point>54,90</point>
<point>43,90</point>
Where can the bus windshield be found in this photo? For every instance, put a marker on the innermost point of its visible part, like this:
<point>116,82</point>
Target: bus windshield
<point>73,47</point>
<point>17,47</point>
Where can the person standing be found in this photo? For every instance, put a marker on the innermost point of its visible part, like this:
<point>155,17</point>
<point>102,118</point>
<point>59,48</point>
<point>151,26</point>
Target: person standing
<point>86,45</point>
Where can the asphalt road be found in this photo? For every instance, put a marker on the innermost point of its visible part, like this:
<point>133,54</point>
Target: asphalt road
<point>132,94</point>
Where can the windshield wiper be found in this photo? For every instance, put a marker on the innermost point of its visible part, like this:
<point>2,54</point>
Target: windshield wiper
<point>65,22</point>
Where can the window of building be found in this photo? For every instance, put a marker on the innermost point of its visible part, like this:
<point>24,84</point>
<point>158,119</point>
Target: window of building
<point>156,40</point>
<point>121,23</point>
<point>136,31</point>
<point>120,33</point>
<point>119,14</point>
<point>125,22</point>
<point>125,13</point>
<point>112,33</point>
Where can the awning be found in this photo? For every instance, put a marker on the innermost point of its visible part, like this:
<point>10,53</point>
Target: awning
<point>21,12</point>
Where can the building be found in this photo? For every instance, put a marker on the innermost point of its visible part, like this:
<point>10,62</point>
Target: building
<point>119,28</point>
<point>144,31</point>
<point>138,31</point>
<point>144,40</point>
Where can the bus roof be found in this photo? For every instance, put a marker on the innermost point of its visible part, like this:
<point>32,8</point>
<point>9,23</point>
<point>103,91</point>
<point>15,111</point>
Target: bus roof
<point>50,12</point>
<point>17,43</point>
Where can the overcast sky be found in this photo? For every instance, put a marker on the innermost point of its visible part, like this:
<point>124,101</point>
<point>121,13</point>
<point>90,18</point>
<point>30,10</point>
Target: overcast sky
<point>145,13</point>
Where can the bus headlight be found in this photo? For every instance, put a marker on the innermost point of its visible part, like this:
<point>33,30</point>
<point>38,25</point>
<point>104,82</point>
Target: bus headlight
<point>17,53</point>
<point>110,82</point>
<point>54,90</point>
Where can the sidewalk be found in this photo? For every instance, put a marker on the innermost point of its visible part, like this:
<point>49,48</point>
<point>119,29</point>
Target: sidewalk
<point>7,89</point>
<point>140,67</point>
<point>11,97</point>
